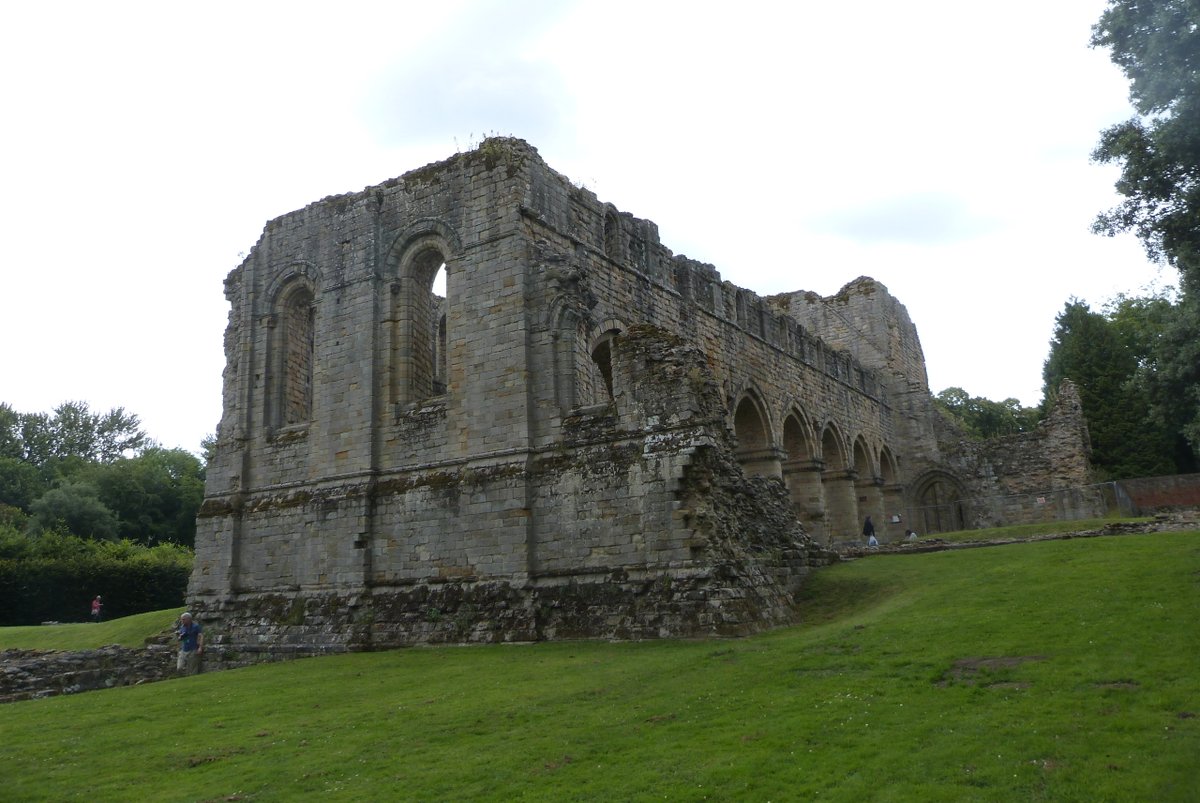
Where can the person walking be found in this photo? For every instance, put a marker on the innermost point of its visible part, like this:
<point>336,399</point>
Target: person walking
<point>97,606</point>
<point>191,645</point>
<point>869,532</point>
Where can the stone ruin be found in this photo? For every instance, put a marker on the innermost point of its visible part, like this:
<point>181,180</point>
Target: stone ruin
<point>582,435</point>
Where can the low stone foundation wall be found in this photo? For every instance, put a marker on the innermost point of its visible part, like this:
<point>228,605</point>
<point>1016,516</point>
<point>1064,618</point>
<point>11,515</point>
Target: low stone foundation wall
<point>32,674</point>
<point>733,599</point>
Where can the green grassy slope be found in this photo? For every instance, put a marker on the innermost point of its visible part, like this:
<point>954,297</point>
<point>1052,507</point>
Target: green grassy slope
<point>128,631</point>
<point>1060,670</point>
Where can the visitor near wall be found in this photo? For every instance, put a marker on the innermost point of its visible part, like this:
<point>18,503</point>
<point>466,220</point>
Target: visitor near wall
<point>191,645</point>
<point>97,606</point>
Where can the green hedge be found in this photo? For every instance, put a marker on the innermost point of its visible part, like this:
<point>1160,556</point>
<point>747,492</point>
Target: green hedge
<point>54,578</point>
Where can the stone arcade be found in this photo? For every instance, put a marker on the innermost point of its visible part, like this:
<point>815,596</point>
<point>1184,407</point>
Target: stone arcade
<point>586,437</point>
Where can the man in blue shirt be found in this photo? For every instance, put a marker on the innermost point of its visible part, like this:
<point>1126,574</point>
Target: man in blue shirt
<point>191,645</point>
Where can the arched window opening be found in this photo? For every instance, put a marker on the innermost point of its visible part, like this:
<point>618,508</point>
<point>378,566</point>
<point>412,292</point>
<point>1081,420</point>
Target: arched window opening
<point>439,357</point>
<point>596,382</point>
<point>422,324</point>
<point>439,282</point>
<point>298,318</point>
<point>612,235</point>
<point>438,303</point>
<point>602,360</point>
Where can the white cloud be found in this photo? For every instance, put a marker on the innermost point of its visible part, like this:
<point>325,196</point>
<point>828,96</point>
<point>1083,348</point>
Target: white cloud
<point>941,145</point>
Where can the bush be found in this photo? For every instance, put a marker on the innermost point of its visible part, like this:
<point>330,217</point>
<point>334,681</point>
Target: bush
<point>53,577</point>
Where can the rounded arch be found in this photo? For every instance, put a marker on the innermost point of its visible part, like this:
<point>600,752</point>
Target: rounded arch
<point>422,322</point>
<point>939,502</point>
<point>297,274</point>
<point>291,348</point>
<point>611,236</point>
<point>600,360</point>
<point>426,232</point>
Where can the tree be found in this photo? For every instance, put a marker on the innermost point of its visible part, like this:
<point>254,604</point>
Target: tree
<point>1156,43</point>
<point>20,483</point>
<point>95,437</point>
<point>10,432</point>
<point>1158,329</point>
<point>984,418</point>
<point>1173,387</point>
<point>1089,349</point>
<point>72,433</point>
<point>72,508</point>
<point>154,496</point>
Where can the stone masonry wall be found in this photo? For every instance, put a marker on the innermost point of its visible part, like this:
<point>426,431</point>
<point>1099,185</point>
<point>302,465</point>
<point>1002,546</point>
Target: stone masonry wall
<point>586,436</point>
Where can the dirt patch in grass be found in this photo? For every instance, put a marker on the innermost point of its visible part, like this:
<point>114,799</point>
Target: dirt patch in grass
<point>1117,684</point>
<point>981,670</point>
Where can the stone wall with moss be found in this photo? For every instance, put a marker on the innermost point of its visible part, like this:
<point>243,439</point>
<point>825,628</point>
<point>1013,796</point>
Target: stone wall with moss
<point>582,435</point>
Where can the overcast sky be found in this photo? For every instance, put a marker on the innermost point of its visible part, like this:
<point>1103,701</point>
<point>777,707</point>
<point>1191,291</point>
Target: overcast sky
<point>938,146</point>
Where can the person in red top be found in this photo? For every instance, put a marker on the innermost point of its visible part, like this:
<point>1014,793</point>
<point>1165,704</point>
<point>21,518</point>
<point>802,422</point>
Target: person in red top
<point>96,606</point>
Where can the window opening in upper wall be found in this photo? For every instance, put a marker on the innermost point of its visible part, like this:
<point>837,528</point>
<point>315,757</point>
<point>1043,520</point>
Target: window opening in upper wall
<point>299,317</point>
<point>612,235</point>
<point>438,302</point>
<point>602,359</point>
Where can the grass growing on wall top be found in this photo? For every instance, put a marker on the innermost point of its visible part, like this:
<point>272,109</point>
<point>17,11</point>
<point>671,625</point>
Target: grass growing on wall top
<point>1059,670</point>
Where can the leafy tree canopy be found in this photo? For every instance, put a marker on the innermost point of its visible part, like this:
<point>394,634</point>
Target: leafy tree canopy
<point>72,508</point>
<point>96,475</point>
<point>984,418</point>
<point>1108,356</point>
<point>73,431</point>
<point>1156,43</point>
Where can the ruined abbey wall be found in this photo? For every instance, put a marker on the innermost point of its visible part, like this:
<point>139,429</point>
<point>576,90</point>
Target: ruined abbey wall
<point>587,436</point>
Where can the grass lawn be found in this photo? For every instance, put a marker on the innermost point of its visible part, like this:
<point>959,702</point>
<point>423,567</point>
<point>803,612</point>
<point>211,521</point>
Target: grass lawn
<point>129,631</point>
<point>1023,531</point>
<point>1058,671</point>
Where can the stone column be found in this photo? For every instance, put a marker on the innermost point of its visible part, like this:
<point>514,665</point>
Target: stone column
<point>893,505</point>
<point>841,505</point>
<point>803,480</point>
<point>869,494</point>
<point>762,462</point>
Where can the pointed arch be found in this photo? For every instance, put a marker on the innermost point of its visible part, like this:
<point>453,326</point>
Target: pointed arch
<point>893,493</point>
<point>939,502</point>
<point>798,441</point>
<point>837,481</point>
<point>863,464</point>
<point>802,472</point>
<point>756,449</point>
<point>888,467</point>
<point>868,488</point>
<point>833,449</point>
